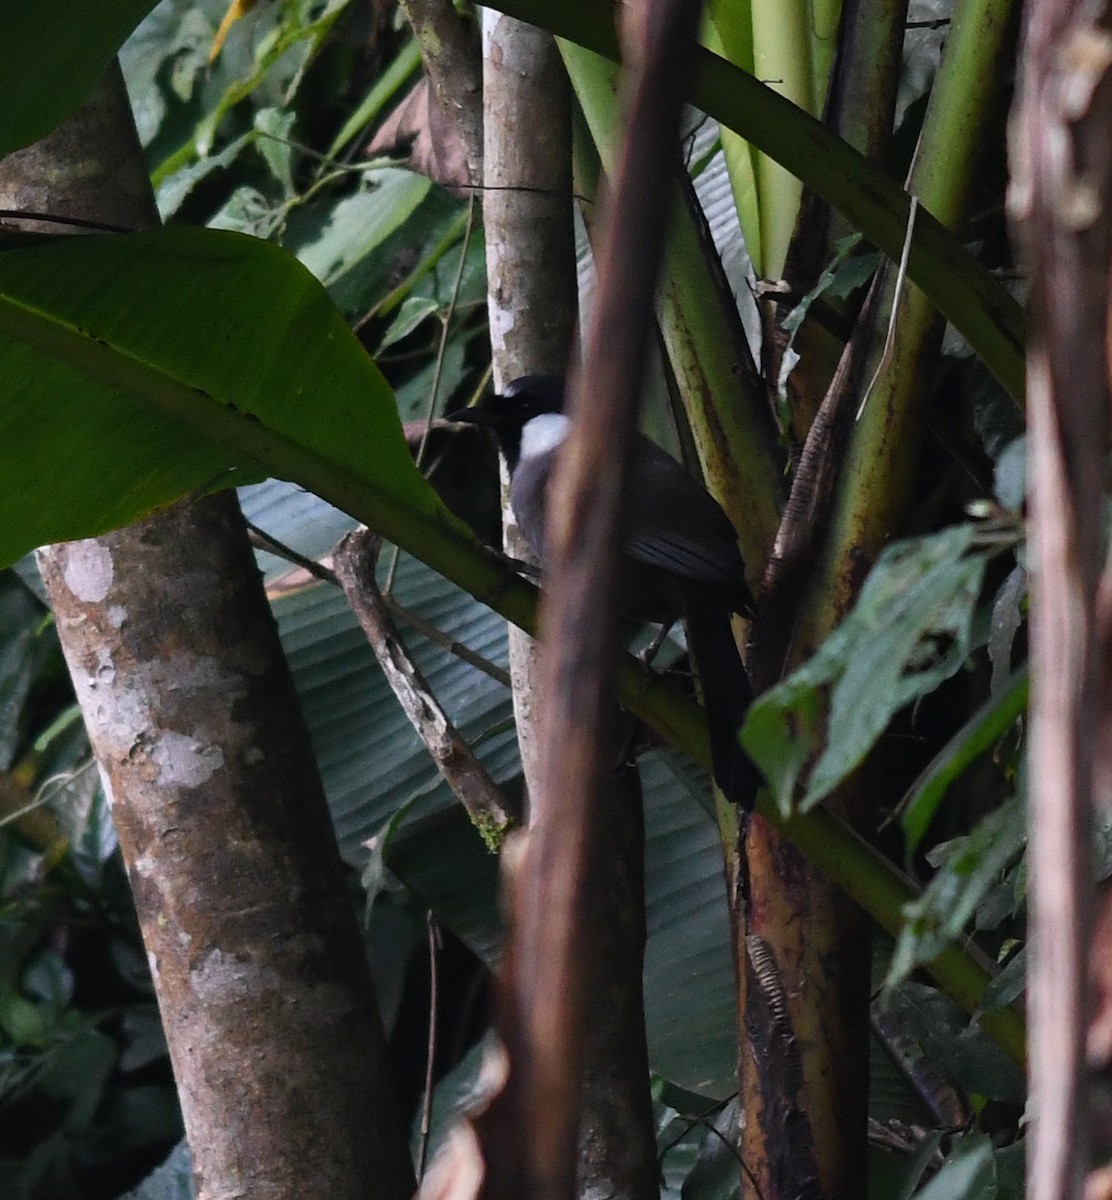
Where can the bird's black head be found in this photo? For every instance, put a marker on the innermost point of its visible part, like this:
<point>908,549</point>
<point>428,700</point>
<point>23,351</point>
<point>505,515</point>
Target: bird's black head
<point>506,413</point>
<point>536,394</point>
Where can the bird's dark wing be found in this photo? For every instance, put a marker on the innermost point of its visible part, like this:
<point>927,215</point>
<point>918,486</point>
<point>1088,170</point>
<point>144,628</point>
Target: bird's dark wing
<point>675,524</point>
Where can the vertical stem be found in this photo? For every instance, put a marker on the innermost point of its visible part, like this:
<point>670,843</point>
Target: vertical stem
<point>530,253</point>
<point>1061,187</point>
<point>782,59</point>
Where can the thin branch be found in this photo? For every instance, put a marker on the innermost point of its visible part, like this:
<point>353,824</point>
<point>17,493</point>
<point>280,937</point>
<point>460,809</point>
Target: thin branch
<point>354,564</point>
<point>430,1053</point>
<point>441,349</point>
<point>320,570</point>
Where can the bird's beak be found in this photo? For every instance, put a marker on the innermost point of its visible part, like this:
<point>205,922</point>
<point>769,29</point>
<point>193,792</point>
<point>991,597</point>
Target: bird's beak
<point>469,417</point>
<point>476,415</point>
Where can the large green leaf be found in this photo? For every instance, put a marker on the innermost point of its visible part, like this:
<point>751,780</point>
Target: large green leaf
<point>136,369</point>
<point>690,1000</point>
<point>968,867</point>
<point>51,56</point>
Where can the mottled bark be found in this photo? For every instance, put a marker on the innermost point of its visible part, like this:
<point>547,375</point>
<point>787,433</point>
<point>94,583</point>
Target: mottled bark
<point>354,560</point>
<point>250,932</point>
<point>251,935</point>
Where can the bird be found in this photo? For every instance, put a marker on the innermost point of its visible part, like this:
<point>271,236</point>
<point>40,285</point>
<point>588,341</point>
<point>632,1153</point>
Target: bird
<point>680,554</point>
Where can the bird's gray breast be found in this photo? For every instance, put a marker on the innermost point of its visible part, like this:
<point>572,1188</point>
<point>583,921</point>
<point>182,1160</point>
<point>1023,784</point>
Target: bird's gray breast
<point>528,498</point>
<point>675,533</point>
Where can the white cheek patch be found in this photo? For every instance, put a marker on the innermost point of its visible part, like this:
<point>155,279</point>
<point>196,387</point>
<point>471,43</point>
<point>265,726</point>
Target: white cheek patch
<point>542,434</point>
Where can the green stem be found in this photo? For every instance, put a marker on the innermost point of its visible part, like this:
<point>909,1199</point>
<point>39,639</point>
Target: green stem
<point>782,56</point>
<point>728,32</point>
<point>881,464</point>
<point>978,305</point>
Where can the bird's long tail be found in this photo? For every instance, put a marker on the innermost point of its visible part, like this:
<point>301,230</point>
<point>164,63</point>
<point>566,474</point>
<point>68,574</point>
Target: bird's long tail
<point>727,693</point>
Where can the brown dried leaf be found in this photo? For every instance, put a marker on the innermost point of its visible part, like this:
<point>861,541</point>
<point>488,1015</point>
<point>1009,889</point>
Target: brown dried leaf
<point>418,124</point>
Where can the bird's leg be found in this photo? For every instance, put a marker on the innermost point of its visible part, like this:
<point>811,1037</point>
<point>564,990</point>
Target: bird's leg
<point>530,570</point>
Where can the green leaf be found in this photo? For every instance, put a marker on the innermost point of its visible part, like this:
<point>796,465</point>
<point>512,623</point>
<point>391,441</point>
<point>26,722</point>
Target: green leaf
<point>336,244</point>
<point>918,1164</point>
<point>1011,475</point>
<point>415,397</point>
<point>967,867</point>
<point>1010,1163</point>
<point>174,191</point>
<point>959,1050</point>
<point>49,980</point>
<point>910,629</point>
<point>967,1174</point>
<point>413,310</point>
<point>275,128</point>
<point>163,61</point>
<point>22,1022</point>
<point>454,1098</point>
<point>714,1174</point>
<point>987,725</point>
<point>1009,984</point>
<point>1007,617</point>
<point>143,368</point>
<point>52,55</point>
<point>21,656</point>
<point>77,1073</point>
<point>690,999</point>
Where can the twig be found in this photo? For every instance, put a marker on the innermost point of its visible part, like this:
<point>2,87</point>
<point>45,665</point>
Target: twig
<point>354,564</point>
<point>897,294</point>
<point>430,1054</point>
<point>445,325</point>
<point>265,541</point>
<point>321,571</point>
